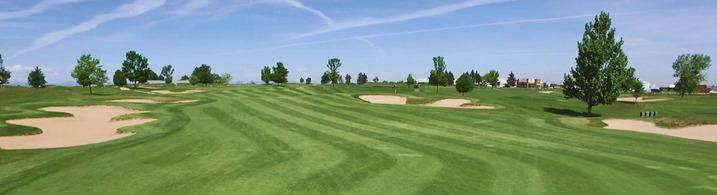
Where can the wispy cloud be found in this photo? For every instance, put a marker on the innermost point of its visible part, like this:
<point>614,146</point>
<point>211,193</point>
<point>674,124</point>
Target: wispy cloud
<point>410,16</point>
<point>193,5</point>
<point>39,8</point>
<point>364,39</point>
<point>297,4</point>
<point>136,8</point>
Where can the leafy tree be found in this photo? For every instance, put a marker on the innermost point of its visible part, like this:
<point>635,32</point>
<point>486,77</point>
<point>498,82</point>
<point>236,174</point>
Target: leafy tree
<point>637,87</point>
<point>4,74</point>
<point>601,66</point>
<point>348,79</point>
<point>511,80</point>
<point>36,78</point>
<point>476,77</point>
<point>89,71</point>
<point>266,75</point>
<point>375,79</point>
<point>362,79</point>
<point>464,83</point>
<point>194,80</point>
<point>184,78</point>
<point>167,72</point>
<point>204,74</point>
<point>308,80</point>
<point>450,77</point>
<point>325,78</point>
<point>333,65</point>
<point>410,81</point>
<point>627,85</point>
<point>136,68</point>
<point>223,78</point>
<point>491,78</point>
<point>301,80</point>
<point>119,79</point>
<point>438,77</point>
<point>151,75</point>
<point>688,68</point>
<point>280,74</point>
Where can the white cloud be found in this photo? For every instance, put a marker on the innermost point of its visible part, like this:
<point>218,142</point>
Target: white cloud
<point>136,8</point>
<point>19,68</point>
<point>410,16</point>
<point>297,4</point>
<point>192,6</point>
<point>39,8</point>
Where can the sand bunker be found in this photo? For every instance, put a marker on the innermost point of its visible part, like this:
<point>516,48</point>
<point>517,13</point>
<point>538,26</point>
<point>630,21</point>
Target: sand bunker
<point>456,103</point>
<point>632,99</point>
<point>89,125</point>
<point>703,132</point>
<point>149,101</point>
<point>545,91</point>
<point>183,92</point>
<point>384,99</point>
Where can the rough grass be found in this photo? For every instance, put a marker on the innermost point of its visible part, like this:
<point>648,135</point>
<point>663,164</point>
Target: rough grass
<point>255,139</point>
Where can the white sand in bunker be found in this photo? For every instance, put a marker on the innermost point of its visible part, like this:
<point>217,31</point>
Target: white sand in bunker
<point>149,101</point>
<point>183,92</point>
<point>456,103</point>
<point>89,125</point>
<point>545,91</point>
<point>384,99</point>
<point>702,132</point>
<point>639,99</point>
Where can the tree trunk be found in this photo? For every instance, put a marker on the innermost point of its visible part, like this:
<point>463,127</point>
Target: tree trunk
<point>90,89</point>
<point>436,88</point>
<point>590,110</point>
<point>135,84</point>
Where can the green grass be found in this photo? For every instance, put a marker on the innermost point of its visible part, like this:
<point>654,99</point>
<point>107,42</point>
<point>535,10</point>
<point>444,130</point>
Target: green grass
<point>256,139</point>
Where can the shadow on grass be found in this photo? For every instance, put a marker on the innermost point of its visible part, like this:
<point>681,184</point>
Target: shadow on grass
<point>568,112</point>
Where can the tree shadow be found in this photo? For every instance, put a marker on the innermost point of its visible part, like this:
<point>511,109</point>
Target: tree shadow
<point>568,112</point>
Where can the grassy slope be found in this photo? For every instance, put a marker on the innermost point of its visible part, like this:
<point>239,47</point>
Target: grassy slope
<point>318,139</point>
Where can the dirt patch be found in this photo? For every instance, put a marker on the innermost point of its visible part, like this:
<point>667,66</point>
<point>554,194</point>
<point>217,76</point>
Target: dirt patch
<point>89,125</point>
<point>639,99</point>
<point>702,132</point>
<point>149,101</point>
<point>384,99</point>
<point>183,92</point>
<point>456,103</point>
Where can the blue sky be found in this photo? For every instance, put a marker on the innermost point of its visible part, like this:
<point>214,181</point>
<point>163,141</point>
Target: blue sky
<point>388,39</point>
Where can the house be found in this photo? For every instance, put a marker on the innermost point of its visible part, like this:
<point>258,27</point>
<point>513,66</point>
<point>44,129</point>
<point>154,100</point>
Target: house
<point>530,83</point>
<point>155,82</point>
<point>703,89</point>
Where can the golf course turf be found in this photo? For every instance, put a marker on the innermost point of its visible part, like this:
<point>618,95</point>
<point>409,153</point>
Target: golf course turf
<point>306,139</point>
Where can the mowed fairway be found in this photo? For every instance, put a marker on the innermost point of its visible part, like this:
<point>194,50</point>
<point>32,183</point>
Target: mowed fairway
<point>325,140</point>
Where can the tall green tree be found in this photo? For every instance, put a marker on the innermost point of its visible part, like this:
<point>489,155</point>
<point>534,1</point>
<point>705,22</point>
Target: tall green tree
<point>89,72</point>
<point>491,78</point>
<point>325,78</point>
<point>362,78</point>
<point>464,83</point>
<point>438,77</point>
<point>511,80</point>
<point>266,75</point>
<point>333,65</point>
<point>450,77</point>
<point>375,79</point>
<point>36,78</point>
<point>136,68</point>
<point>224,79</point>
<point>4,74</point>
<point>637,87</point>
<point>688,68</point>
<point>601,66</point>
<point>301,80</point>
<point>167,72</point>
<point>348,79</point>
<point>308,80</point>
<point>204,74</point>
<point>280,74</point>
<point>410,81</point>
<point>119,79</point>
